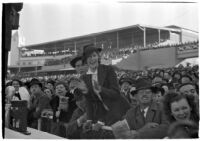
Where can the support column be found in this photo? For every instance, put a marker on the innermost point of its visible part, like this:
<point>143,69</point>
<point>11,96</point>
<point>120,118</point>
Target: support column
<point>64,54</point>
<point>159,36</point>
<point>95,42</point>
<point>19,60</point>
<point>132,37</point>
<point>144,37</point>
<point>117,40</point>
<point>75,47</point>
<point>181,37</point>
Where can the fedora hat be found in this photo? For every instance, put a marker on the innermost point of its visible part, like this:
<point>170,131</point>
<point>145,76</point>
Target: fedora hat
<point>142,83</point>
<point>35,81</point>
<point>74,60</point>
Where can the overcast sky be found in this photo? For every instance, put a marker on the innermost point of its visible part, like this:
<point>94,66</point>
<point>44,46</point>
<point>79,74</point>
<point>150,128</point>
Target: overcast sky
<point>43,22</point>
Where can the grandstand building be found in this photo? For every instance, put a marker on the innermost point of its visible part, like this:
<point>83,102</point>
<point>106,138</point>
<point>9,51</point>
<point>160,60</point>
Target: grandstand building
<point>117,44</point>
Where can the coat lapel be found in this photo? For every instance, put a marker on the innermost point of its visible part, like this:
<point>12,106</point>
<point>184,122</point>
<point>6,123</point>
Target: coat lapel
<point>88,79</point>
<point>140,121</point>
<point>101,75</point>
<point>151,113</point>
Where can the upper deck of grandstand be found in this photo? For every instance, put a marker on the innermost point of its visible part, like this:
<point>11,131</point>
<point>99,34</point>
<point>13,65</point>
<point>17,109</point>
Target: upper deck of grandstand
<point>110,39</point>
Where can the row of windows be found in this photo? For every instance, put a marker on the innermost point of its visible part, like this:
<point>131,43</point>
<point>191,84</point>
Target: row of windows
<point>28,63</point>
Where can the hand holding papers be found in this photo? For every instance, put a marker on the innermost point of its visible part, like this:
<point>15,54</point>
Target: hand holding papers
<point>121,130</point>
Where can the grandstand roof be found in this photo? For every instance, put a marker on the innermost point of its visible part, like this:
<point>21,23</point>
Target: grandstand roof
<point>178,27</point>
<point>136,27</point>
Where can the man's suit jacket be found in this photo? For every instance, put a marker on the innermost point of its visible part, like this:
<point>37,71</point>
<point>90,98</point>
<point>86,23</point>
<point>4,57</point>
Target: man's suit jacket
<point>72,129</point>
<point>37,104</point>
<point>155,113</point>
<point>110,95</point>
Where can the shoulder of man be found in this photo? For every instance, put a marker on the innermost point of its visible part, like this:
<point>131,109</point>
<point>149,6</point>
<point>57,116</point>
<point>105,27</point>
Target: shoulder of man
<point>131,112</point>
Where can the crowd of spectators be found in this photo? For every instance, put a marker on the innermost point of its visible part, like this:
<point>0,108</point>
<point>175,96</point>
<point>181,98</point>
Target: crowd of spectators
<point>51,62</point>
<point>175,89</point>
<point>164,103</point>
<point>52,53</point>
<point>188,46</point>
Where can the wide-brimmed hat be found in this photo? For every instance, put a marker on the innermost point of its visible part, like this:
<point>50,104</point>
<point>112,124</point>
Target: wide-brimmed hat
<point>88,49</point>
<point>74,60</point>
<point>126,79</point>
<point>142,83</point>
<point>35,81</point>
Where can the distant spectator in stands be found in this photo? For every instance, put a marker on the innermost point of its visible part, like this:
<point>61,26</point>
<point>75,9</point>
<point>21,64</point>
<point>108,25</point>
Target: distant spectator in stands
<point>179,107</point>
<point>167,77</point>
<point>147,119</point>
<point>38,102</point>
<point>186,79</point>
<point>157,79</point>
<point>161,73</point>
<point>176,76</point>
<point>183,72</point>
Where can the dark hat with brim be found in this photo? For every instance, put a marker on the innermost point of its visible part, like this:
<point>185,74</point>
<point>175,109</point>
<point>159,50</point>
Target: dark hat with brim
<point>74,60</point>
<point>143,84</point>
<point>129,80</point>
<point>35,81</point>
<point>88,49</point>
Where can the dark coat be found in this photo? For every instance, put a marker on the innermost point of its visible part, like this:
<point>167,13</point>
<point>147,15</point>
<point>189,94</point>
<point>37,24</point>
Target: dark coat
<point>110,94</point>
<point>41,102</point>
<point>155,114</point>
<point>72,129</point>
<point>64,116</point>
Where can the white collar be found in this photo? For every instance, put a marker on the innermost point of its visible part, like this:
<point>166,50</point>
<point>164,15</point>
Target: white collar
<point>145,109</point>
<point>91,72</point>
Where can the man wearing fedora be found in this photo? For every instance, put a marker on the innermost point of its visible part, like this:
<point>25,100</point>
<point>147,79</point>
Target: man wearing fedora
<point>74,126</point>
<point>38,102</point>
<point>147,119</point>
<point>104,103</point>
